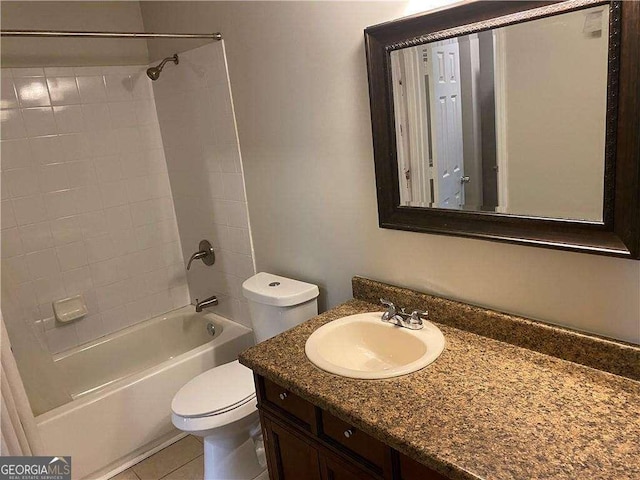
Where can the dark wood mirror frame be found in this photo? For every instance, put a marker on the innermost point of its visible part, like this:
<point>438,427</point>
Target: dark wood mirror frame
<point>619,232</point>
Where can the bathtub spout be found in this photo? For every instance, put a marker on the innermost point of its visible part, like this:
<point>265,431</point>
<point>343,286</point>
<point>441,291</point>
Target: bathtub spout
<point>207,302</point>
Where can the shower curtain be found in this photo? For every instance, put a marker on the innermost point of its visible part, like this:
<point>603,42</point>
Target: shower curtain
<point>17,425</point>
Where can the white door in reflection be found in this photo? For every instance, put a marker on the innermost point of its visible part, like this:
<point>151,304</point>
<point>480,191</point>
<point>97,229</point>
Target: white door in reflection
<point>445,113</point>
<point>428,118</point>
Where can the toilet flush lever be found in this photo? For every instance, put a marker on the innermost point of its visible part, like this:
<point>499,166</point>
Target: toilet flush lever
<point>205,254</point>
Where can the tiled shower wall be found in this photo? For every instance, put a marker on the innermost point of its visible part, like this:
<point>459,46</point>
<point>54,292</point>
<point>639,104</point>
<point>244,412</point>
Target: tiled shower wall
<point>86,202</point>
<point>196,117</point>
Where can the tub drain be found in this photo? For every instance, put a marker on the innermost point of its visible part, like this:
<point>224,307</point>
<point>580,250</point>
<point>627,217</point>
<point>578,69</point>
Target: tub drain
<point>211,328</point>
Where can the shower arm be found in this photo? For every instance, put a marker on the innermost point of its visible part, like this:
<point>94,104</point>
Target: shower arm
<point>173,59</point>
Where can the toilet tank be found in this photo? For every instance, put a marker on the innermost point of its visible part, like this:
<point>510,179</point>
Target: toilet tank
<point>278,303</point>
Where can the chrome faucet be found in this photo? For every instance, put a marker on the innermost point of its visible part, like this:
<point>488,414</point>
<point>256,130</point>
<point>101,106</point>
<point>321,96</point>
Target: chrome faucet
<point>412,321</point>
<point>207,302</point>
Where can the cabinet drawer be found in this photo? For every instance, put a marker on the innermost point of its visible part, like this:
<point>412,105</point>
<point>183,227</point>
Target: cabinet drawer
<point>292,404</point>
<point>412,470</point>
<point>354,440</point>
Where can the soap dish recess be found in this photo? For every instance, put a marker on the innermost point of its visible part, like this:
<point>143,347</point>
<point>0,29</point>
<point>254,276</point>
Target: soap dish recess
<point>69,309</point>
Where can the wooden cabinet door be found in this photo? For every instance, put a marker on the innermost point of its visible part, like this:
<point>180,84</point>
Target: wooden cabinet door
<point>290,457</point>
<point>409,469</point>
<point>334,469</point>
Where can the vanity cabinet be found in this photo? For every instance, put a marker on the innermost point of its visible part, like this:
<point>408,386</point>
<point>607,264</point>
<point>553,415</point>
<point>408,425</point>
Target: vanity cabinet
<point>303,441</point>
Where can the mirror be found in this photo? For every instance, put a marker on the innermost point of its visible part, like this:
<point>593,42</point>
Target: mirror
<point>510,121</point>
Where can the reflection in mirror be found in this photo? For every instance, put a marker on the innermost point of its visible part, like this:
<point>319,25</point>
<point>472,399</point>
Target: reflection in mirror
<point>509,120</point>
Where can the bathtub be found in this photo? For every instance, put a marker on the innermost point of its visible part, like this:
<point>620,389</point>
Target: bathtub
<point>122,386</point>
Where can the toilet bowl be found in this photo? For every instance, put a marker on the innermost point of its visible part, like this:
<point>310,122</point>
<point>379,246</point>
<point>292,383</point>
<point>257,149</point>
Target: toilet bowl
<point>220,404</point>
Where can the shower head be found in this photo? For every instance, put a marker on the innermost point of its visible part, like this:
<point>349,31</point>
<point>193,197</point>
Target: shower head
<point>154,72</point>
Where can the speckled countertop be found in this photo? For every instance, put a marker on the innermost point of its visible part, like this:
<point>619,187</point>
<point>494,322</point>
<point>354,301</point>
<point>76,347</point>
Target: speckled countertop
<point>485,409</point>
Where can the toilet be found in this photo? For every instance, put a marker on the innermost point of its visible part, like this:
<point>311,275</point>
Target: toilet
<point>220,404</point>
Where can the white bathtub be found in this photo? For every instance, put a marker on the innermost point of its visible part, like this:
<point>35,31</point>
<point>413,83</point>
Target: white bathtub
<point>122,386</point>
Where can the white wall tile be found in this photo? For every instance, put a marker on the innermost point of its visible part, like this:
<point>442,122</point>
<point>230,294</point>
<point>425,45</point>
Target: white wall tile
<point>145,111</point>
<point>134,164</point>
<point>39,121</point>
<point>93,224</point>
<point>12,125</point>
<point>29,210</point>
<point>233,186</point>
<point>58,71</point>
<point>69,118</point>
<point>239,240</point>
<point>52,178</point>
<point>113,194</point>
<point>47,150</point>
<point>142,89</point>
<point>100,248</point>
<point>87,199</point>
<point>60,204</point>
<point>119,88</point>
<point>77,281</point>
<point>11,243</point>
<point>124,242</point>
<point>81,173</point>
<point>66,230</point>
<point>96,117</point>
<point>61,338</point>
<point>90,328</point>
<point>36,236</point>
<point>108,168</point>
<point>43,264</point>
<point>180,295</point>
<point>15,154</point>
<point>88,71</point>
<point>114,295</point>
<point>27,72</point>
<point>100,143</point>
<point>8,98</point>
<point>122,114</point>
<point>15,271</point>
<point>119,218</point>
<point>63,90</point>
<point>119,318</point>
<point>105,272</point>
<point>32,92</point>
<point>72,256</point>
<point>22,182</point>
<point>129,139</point>
<point>92,89</point>
<point>237,214</point>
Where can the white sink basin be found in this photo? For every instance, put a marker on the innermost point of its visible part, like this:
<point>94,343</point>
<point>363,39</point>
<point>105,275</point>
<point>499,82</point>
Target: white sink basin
<point>363,346</point>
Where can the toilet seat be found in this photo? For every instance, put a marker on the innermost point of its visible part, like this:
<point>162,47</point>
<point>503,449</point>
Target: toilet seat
<point>217,397</point>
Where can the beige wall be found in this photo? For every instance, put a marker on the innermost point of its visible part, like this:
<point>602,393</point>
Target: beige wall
<point>87,15</point>
<point>299,82</point>
<point>556,104</point>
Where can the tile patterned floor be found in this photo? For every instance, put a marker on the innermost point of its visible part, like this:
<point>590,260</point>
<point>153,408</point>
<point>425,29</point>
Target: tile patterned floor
<point>182,460</point>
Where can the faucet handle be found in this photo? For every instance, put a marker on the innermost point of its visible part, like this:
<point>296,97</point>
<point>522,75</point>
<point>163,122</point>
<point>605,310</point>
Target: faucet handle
<point>206,254</point>
<point>417,316</point>
<point>391,309</point>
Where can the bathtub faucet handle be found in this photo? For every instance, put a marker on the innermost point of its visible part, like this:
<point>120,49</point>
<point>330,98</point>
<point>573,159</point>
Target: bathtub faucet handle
<point>205,254</point>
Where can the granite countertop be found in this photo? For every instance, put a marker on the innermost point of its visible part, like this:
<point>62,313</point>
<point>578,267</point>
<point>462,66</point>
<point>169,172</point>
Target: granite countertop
<point>485,409</point>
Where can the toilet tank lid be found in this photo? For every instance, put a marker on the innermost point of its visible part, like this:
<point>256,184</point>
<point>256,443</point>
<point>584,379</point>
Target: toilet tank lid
<point>270,289</point>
